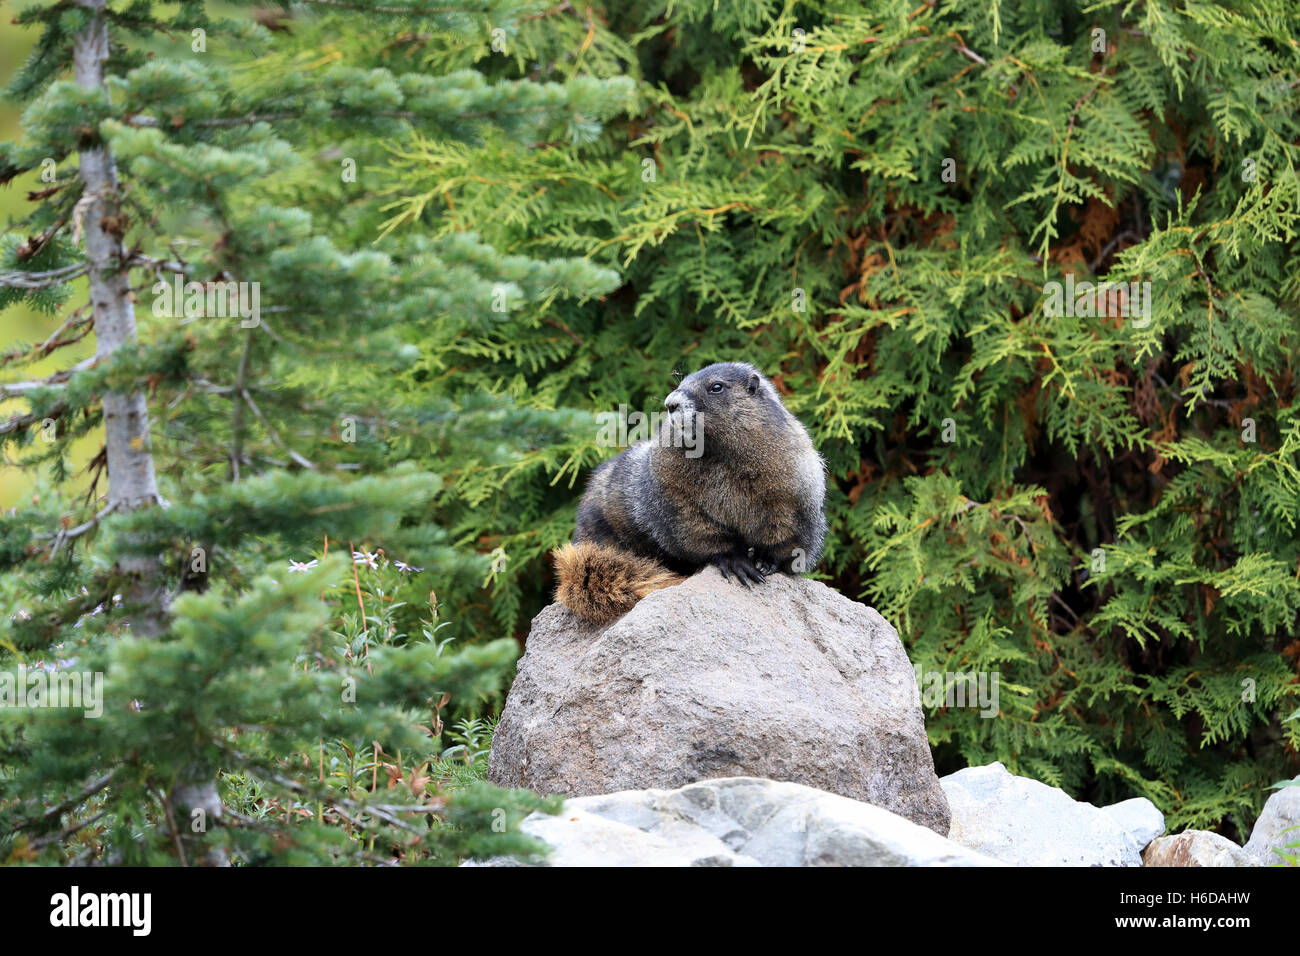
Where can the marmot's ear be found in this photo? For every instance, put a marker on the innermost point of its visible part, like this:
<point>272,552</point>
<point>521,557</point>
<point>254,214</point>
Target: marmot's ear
<point>753,383</point>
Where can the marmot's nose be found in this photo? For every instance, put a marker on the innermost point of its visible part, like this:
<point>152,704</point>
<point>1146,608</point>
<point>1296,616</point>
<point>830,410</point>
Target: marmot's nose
<point>673,401</point>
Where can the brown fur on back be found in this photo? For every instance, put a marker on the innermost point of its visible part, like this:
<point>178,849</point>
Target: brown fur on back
<point>600,584</point>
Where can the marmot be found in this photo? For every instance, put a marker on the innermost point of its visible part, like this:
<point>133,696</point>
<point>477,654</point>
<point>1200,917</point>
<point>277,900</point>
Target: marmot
<point>732,480</point>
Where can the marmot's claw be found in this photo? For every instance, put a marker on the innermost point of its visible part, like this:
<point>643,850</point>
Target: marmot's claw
<point>755,574</point>
<point>741,566</point>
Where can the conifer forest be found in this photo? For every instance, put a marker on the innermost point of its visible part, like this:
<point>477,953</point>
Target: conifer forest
<point>314,317</point>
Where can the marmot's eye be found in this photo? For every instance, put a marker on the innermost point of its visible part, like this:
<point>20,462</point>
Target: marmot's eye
<point>715,387</point>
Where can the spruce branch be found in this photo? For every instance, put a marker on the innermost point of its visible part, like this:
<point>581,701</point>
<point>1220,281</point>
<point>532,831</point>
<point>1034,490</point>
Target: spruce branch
<point>55,380</point>
<point>43,280</point>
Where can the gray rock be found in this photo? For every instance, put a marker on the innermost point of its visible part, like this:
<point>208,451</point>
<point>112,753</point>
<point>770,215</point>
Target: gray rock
<point>1140,819</point>
<point>1026,823</point>
<point>788,681</point>
<point>1281,811</point>
<point>583,838</point>
<point>1195,848</point>
<point>738,821</point>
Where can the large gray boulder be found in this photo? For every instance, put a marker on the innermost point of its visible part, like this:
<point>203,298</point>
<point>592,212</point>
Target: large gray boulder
<point>739,821</point>
<point>1023,822</point>
<point>1195,848</point>
<point>1271,832</point>
<point>789,681</point>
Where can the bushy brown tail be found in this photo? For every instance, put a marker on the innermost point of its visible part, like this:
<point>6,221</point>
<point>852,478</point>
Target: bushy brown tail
<point>600,583</point>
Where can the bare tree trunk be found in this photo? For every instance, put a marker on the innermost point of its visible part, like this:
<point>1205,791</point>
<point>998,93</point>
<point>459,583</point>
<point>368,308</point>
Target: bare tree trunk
<point>131,480</point>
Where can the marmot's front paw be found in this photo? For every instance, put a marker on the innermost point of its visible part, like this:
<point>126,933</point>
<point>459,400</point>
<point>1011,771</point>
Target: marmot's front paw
<point>740,565</point>
<point>766,562</point>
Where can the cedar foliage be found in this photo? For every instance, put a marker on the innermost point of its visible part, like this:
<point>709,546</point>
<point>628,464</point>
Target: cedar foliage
<point>545,231</point>
<point>1114,527</point>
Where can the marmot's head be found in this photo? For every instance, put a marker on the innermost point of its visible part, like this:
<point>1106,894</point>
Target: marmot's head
<point>730,403</point>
